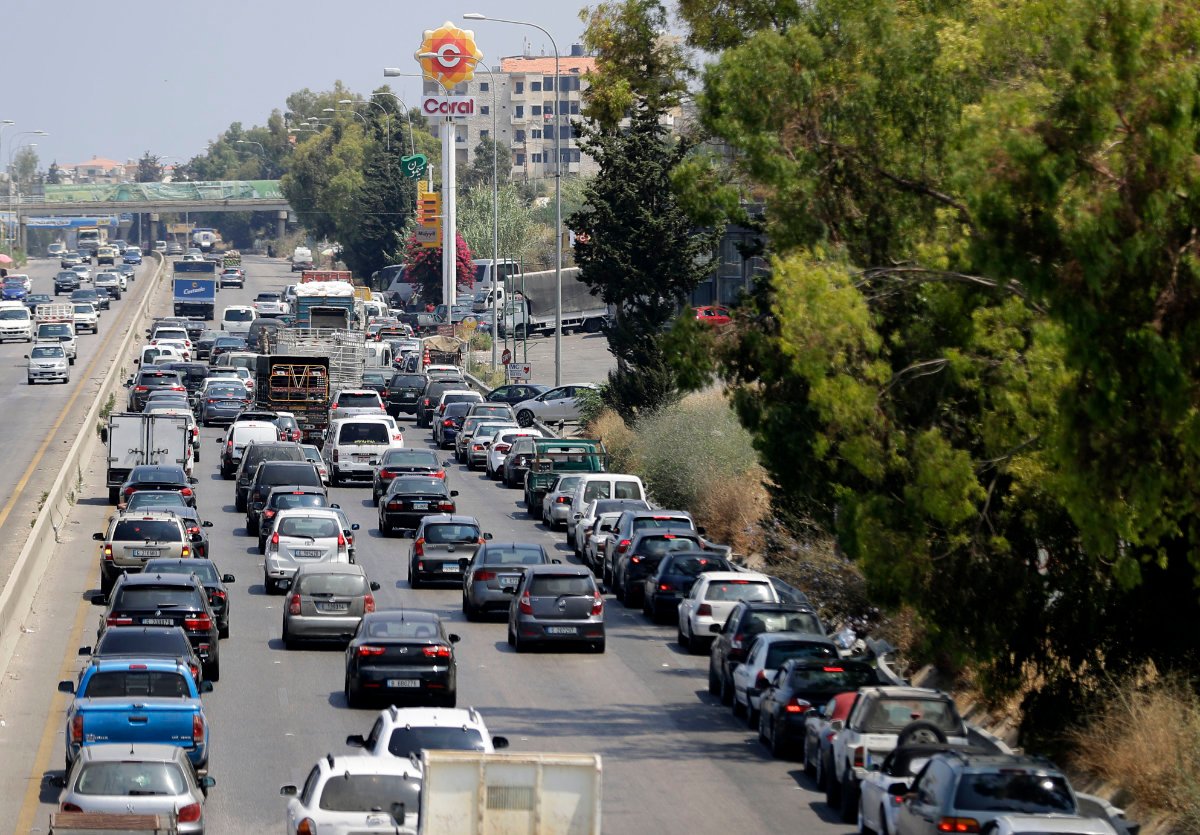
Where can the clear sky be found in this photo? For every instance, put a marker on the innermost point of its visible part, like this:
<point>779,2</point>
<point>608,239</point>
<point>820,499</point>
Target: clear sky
<point>117,79</point>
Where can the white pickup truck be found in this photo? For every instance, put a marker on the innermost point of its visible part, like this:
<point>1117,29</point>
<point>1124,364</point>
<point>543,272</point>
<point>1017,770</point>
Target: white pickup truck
<point>56,323</point>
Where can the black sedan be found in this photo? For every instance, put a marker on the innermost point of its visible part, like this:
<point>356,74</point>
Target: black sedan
<point>159,477</point>
<point>202,347</point>
<point>225,345</point>
<point>34,299</point>
<point>674,578</point>
<point>214,583</point>
<point>515,393</point>
<point>101,301</point>
<point>800,685</point>
<point>402,461</point>
<point>402,656</point>
<point>409,498</point>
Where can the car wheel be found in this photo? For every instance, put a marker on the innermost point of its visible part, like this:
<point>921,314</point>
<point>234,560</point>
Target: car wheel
<point>810,768</point>
<point>114,495</point>
<point>223,631</point>
<point>525,418</point>
<point>761,724</point>
<point>251,527</point>
<point>833,788</point>
<point>468,610</point>
<point>262,544</point>
<point>598,646</point>
<point>106,584</point>
<point>239,504</point>
<point>288,641</point>
<point>695,645</point>
<point>353,697</point>
<point>648,607</point>
<point>863,829</point>
<point>414,581</point>
<point>385,527</point>
<point>375,497</point>
<point>70,360</point>
<point>751,714</point>
<point>29,380</point>
<point>714,683</point>
<point>726,690</point>
<point>450,700</point>
<point>518,644</point>
<point>511,641</point>
<point>680,638</point>
<point>738,709</point>
<point>212,670</point>
<point>849,799</point>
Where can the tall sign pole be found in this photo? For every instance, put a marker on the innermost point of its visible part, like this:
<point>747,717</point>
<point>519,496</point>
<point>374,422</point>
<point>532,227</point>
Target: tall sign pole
<point>448,55</point>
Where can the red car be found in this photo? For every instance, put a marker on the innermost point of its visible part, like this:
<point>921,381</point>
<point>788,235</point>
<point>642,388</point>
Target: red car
<point>713,315</point>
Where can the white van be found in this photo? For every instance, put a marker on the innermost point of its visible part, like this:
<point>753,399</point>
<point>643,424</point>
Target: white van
<point>154,354</point>
<point>240,434</point>
<point>16,322</point>
<point>379,355</point>
<point>601,486</point>
<point>355,446</point>
<point>236,319</point>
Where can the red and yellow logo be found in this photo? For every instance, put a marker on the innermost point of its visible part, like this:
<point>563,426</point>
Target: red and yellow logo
<point>449,55</point>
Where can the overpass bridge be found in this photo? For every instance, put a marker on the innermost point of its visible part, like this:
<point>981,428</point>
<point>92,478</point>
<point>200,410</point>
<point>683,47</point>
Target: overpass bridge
<point>51,202</point>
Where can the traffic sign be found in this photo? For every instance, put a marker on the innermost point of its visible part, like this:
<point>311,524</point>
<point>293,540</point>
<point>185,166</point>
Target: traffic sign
<point>414,166</point>
<point>506,356</point>
<point>445,330</point>
<point>430,238</point>
<point>520,371</point>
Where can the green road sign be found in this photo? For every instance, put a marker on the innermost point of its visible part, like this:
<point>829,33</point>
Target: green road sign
<point>414,166</point>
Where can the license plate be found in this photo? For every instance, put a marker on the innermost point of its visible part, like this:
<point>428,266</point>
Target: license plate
<point>229,404</point>
<point>560,630</point>
<point>450,566</point>
<point>404,682</point>
<point>408,396</point>
<point>146,552</point>
<point>360,457</point>
<point>157,622</point>
<point>306,553</point>
<point>507,581</point>
<point>333,607</point>
<point>420,505</point>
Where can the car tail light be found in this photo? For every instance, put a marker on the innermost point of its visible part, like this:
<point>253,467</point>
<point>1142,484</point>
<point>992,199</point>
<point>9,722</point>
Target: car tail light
<point>197,729</point>
<point>501,448</point>
<point>795,705</point>
<point>367,650</point>
<point>195,669</point>
<point>108,554</point>
<point>178,388</point>
<point>419,547</point>
<point>426,403</point>
<point>623,545</point>
<point>635,559</point>
<point>269,514</point>
<point>140,388</point>
<point>447,422</point>
<point>218,595</point>
<point>185,551</point>
<point>197,622</point>
<point>446,506</point>
<point>70,807</point>
<point>437,652</point>
<point>859,761</point>
<point>333,408</point>
<point>736,642</point>
<point>275,539</point>
<point>563,500</point>
<point>958,825</point>
<point>294,604</point>
<point>341,540</point>
<point>116,620</point>
<point>476,447</point>
<point>336,457</point>
<point>189,813</point>
<point>385,473</point>
<point>597,603</point>
<point>77,729</point>
<point>369,603</point>
<point>306,827</point>
<point>440,474</point>
<point>195,432</point>
<point>704,611</point>
<point>665,587</point>
<point>483,576</point>
<point>525,604</point>
<point>228,444</point>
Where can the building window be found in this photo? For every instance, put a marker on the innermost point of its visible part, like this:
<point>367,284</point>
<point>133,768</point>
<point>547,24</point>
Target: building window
<point>520,87</point>
<point>485,109</point>
<point>519,136</point>
<point>520,110</point>
<point>520,159</point>
<point>535,134</point>
<point>483,87</point>
<point>564,131</point>
<point>536,157</point>
<point>535,86</point>
<point>574,108</point>
<point>535,109</point>
<point>483,134</point>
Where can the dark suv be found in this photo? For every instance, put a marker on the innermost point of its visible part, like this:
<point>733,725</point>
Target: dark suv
<point>253,455</point>
<point>193,375</point>
<point>166,600</point>
<point>676,574</point>
<point>745,622</point>
<point>640,560</point>
<point>402,392</point>
<point>275,474</point>
<point>66,281</point>
<point>151,379</point>
<point>427,401</point>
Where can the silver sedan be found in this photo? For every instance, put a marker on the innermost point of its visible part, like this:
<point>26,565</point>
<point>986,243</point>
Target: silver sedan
<point>497,566</point>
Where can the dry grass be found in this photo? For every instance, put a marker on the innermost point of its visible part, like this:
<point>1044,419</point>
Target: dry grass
<point>731,509</point>
<point>620,441</point>
<point>1147,742</point>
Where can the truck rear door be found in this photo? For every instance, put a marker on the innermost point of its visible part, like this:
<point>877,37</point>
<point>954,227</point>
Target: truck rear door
<point>169,441</point>
<point>126,441</point>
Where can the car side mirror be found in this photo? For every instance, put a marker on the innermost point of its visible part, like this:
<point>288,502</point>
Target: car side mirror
<point>487,536</point>
<point>207,782</point>
<point>454,639</point>
<point>499,742</point>
<point>355,526</point>
<point>228,578</point>
<point>288,791</point>
<point>336,506</point>
<point>601,587</point>
<point>98,536</point>
<point>206,524</point>
<point>218,441</point>
<point>837,725</point>
<point>509,590</point>
<point>356,741</point>
<point>206,686</point>
<point>98,599</point>
<point>57,782</point>
<point>193,480</point>
<point>449,462</point>
<point>104,434</point>
<point>701,530</point>
<point>129,382</point>
<point>578,516</point>
<point>136,362</point>
<point>453,493</point>
<point>715,628</point>
<point>66,687</point>
<point>374,586</point>
<point>84,651</point>
<point>556,562</point>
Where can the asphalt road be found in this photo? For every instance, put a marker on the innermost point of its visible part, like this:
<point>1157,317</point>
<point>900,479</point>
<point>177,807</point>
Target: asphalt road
<point>31,435</point>
<point>674,760</point>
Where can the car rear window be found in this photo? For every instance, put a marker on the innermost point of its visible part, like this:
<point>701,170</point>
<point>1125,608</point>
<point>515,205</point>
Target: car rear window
<point>406,381</point>
<point>131,640</point>
<point>566,483</point>
<point>239,316</point>
<point>644,522</point>
<point>695,566</point>
<point>147,530</point>
<point>447,533</point>
<point>411,458</point>
<point>627,490</point>
<point>889,715</point>
<point>407,741</point>
<point>307,526</point>
<point>553,585</point>
<point>306,475</point>
<point>421,486</point>
<point>364,433</point>
<point>465,397</point>
<point>122,683</point>
<point>657,545</point>
<point>157,597</point>
<point>781,622</point>
<point>12,313</point>
<point>357,401</point>
<point>750,590</point>
<point>1014,791</point>
<point>596,490</point>
<point>203,569</point>
<point>831,677</point>
<point>284,501</point>
<point>131,777</point>
<point>314,584</point>
<point>782,651</point>
<point>370,793</point>
<point>513,555</point>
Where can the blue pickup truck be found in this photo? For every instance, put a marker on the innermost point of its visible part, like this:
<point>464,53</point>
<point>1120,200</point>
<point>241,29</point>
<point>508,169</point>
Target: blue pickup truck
<point>152,701</point>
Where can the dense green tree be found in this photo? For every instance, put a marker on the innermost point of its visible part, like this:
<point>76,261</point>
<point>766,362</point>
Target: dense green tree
<point>479,172</point>
<point>636,248</point>
<point>515,222</point>
<point>54,174</point>
<point>25,165</point>
<point>150,168</point>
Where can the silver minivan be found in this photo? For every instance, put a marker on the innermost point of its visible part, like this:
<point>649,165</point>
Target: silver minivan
<point>327,601</point>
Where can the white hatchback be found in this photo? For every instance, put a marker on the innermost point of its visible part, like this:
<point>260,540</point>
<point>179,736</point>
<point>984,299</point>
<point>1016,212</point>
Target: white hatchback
<point>501,444</point>
<point>237,318</point>
<point>302,535</point>
<point>356,794</point>
<point>711,600</point>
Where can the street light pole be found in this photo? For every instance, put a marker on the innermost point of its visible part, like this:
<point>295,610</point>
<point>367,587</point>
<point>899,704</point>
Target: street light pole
<point>412,143</point>
<point>3,124</point>
<point>387,119</point>
<point>557,189</point>
<point>12,148</point>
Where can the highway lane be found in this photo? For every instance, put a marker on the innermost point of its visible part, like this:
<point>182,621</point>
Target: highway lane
<point>30,412</point>
<point>674,760</point>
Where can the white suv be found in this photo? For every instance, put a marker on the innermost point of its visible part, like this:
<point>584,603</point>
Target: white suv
<point>16,322</point>
<point>354,447</point>
<point>404,731</point>
<point>391,786</point>
<point>48,361</point>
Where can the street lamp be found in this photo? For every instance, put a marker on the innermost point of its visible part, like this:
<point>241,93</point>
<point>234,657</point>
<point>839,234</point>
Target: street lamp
<point>557,189</point>
<point>355,112</point>
<point>386,116</point>
<point>12,148</point>
<point>412,143</point>
<point>3,124</point>
<point>262,151</point>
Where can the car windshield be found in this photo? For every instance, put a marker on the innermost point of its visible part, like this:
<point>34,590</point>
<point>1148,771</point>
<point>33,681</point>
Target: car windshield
<point>447,533</point>
<point>146,530</point>
<point>513,555</point>
<point>125,683</point>
<point>410,458</point>
<point>14,282</point>
<point>407,741</point>
<point>12,313</point>
<point>45,353</point>
<point>156,597</point>
<point>314,584</point>
<point>750,590</point>
<point>308,527</point>
<point>556,585</point>
<point>1014,790</point>
<point>288,500</point>
<point>890,715</point>
<point>832,677</point>
<point>695,566</point>
<point>203,569</point>
<point>371,792</point>
<point>130,779</point>
<point>364,433</point>
<point>781,651</point>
